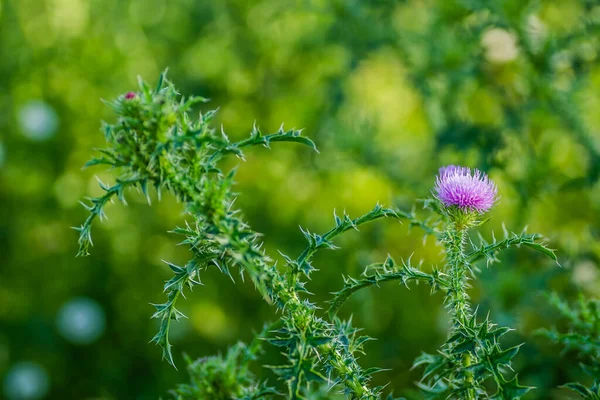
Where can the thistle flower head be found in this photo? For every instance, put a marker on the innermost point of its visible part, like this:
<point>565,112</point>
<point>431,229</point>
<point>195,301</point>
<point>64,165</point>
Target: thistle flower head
<point>468,190</point>
<point>129,95</point>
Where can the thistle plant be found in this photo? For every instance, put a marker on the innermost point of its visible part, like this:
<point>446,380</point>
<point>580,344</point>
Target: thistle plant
<point>472,354</point>
<point>155,143</point>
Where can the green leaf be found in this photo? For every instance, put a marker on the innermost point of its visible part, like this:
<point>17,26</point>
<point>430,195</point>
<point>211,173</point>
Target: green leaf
<point>542,249</point>
<point>318,340</point>
<point>499,358</point>
<point>161,80</point>
<point>581,390</point>
<point>511,390</point>
<point>489,251</point>
<point>292,136</point>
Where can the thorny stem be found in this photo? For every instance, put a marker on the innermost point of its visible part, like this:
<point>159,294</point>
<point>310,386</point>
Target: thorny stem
<point>457,297</point>
<point>343,226</point>
<point>310,251</point>
<point>274,288</point>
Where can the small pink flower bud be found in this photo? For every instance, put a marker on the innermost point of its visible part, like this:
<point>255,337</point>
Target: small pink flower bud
<point>129,95</point>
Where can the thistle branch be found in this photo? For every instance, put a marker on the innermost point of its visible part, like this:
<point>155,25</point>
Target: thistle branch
<point>383,272</point>
<point>489,251</point>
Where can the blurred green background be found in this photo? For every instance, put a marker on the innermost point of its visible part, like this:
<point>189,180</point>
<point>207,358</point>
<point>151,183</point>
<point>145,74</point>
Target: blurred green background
<point>389,91</point>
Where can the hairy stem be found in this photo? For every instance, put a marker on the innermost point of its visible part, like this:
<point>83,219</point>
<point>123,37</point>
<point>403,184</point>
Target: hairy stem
<point>457,297</point>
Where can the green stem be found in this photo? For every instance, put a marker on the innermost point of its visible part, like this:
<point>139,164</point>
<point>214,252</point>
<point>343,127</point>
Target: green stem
<point>457,296</point>
<point>458,299</point>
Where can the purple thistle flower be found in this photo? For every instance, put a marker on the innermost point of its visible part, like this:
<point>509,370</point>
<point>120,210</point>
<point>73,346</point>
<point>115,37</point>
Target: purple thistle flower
<point>130,95</point>
<point>466,189</point>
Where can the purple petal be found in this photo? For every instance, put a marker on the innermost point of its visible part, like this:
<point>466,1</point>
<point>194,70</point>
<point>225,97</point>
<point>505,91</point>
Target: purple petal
<point>466,189</point>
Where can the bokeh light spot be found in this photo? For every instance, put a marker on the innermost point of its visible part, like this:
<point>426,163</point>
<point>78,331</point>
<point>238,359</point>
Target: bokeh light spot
<point>38,120</point>
<point>500,45</point>
<point>26,381</point>
<point>81,321</point>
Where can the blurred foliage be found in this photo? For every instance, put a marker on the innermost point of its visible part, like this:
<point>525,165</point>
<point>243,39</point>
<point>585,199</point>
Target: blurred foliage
<point>582,338</point>
<point>389,91</point>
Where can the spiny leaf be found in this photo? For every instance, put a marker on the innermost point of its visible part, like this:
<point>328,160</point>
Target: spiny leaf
<point>489,251</point>
<point>378,273</point>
